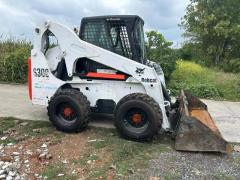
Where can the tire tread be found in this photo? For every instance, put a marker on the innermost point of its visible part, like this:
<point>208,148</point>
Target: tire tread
<point>151,102</point>
<point>82,102</point>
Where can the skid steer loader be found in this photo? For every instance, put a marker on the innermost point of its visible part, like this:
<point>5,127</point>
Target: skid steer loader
<point>102,68</point>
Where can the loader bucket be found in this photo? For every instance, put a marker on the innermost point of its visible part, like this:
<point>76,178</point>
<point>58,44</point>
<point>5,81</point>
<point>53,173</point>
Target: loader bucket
<point>195,129</point>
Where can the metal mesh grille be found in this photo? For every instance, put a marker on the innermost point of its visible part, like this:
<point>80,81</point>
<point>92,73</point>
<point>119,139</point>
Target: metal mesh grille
<point>119,37</point>
<point>109,34</point>
<point>95,33</point>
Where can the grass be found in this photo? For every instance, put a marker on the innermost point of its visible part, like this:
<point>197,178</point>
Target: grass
<point>113,155</point>
<point>171,176</point>
<point>222,176</point>
<point>127,156</point>
<point>5,124</point>
<point>25,131</point>
<point>237,160</point>
<point>52,172</point>
<point>204,82</point>
<point>43,129</point>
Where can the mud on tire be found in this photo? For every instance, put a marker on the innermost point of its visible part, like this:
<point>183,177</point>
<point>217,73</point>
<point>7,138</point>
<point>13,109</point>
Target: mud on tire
<point>138,117</point>
<point>68,110</point>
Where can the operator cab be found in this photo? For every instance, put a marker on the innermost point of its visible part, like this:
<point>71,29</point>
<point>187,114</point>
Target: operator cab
<point>121,34</point>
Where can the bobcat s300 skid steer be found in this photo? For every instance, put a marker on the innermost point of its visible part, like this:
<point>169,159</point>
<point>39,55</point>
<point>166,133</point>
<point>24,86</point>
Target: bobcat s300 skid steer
<point>102,68</point>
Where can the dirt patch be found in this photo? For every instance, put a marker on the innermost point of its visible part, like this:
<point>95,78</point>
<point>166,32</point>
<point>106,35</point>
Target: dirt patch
<point>70,148</point>
<point>63,151</point>
<point>72,154</point>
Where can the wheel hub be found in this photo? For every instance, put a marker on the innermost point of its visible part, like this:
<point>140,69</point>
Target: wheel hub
<point>137,118</point>
<point>67,112</point>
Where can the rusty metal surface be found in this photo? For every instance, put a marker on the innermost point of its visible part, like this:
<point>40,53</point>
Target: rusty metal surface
<point>205,118</point>
<point>196,129</point>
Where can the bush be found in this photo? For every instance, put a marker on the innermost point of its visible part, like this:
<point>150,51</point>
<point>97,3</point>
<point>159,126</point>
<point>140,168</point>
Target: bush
<point>231,66</point>
<point>194,52</point>
<point>13,61</point>
<point>203,82</point>
<point>203,90</point>
<point>189,71</point>
<point>168,64</point>
<point>160,51</point>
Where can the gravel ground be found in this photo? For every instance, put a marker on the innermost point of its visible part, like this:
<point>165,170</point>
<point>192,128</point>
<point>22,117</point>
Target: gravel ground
<point>185,165</point>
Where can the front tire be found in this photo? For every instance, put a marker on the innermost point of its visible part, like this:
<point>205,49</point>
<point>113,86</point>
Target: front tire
<point>68,110</point>
<point>138,117</point>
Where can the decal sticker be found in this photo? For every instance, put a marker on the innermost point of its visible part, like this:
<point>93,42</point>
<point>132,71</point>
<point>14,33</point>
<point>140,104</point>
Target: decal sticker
<point>140,71</point>
<point>149,80</point>
<point>37,99</point>
<point>50,87</point>
<point>45,86</point>
<point>40,72</point>
<point>37,85</point>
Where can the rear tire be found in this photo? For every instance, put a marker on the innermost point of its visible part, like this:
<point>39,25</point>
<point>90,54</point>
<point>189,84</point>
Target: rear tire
<point>68,110</point>
<point>138,117</point>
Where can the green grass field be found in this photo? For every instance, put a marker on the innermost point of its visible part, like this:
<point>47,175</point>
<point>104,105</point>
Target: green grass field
<point>205,82</point>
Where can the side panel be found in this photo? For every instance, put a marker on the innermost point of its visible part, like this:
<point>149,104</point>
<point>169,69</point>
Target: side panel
<point>107,89</point>
<point>44,84</point>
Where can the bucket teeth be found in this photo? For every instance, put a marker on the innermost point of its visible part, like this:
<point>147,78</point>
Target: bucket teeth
<point>196,130</point>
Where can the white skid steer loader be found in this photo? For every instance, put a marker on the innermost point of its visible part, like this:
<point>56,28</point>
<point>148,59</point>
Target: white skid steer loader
<point>102,68</point>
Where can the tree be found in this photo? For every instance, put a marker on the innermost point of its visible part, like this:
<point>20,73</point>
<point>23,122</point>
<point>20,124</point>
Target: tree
<point>159,50</point>
<point>215,24</point>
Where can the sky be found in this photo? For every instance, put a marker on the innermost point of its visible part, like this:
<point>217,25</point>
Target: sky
<point>18,17</point>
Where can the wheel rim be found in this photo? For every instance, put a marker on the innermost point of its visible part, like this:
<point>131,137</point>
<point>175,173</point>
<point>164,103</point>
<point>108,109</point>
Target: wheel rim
<point>136,120</point>
<point>66,112</point>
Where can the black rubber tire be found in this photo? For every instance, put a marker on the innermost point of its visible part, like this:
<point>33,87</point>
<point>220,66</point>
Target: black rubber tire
<point>78,102</point>
<point>149,105</point>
